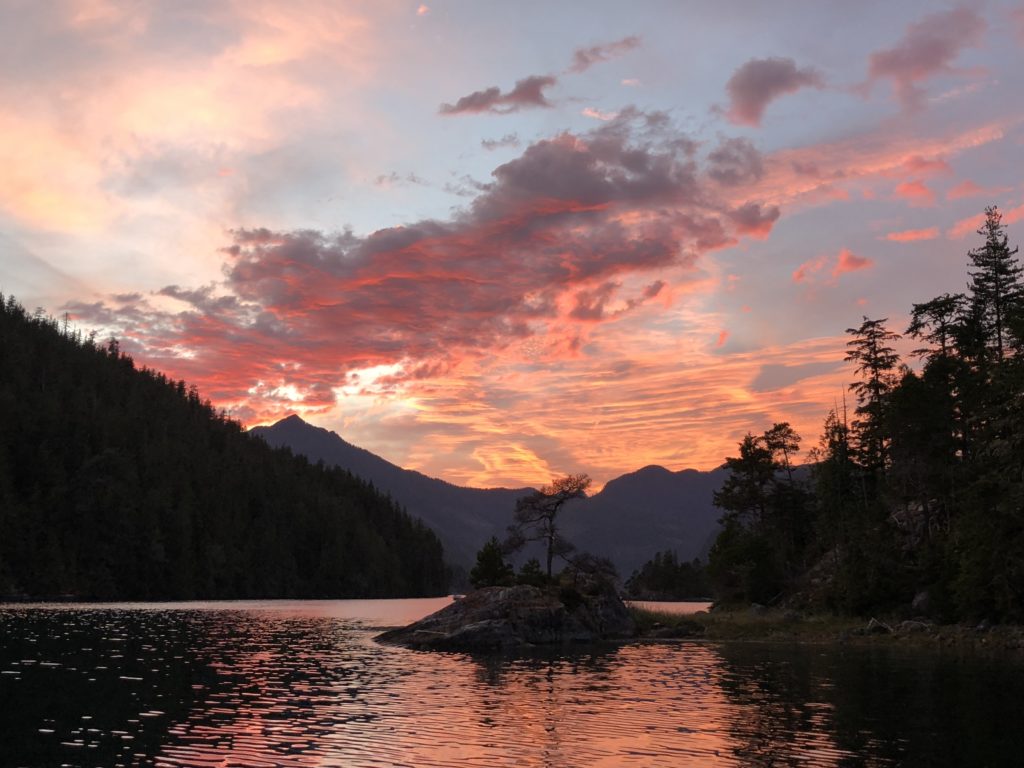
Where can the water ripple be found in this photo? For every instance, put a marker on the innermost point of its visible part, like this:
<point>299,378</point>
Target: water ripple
<point>304,685</point>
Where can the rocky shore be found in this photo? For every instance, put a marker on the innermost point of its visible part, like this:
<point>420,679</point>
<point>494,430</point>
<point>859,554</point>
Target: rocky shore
<point>497,618</point>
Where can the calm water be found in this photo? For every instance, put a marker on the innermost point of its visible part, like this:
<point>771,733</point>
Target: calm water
<point>303,684</point>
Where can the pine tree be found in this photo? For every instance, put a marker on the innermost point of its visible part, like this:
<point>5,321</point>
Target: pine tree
<point>996,281</point>
<point>876,362</point>
<point>491,569</point>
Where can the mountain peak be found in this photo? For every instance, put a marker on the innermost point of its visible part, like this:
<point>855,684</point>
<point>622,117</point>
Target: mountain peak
<point>293,419</point>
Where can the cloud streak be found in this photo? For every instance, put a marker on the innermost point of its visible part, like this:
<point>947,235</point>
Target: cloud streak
<point>845,262</point>
<point>913,235</point>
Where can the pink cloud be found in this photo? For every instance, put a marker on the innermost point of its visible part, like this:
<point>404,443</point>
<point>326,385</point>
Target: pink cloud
<point>972,224</point>
<point>723,336</point>
<point>846,261</point>
<point>1013,215</point>
<point>927,48</point>
<point>806,271</point>
<point>850,262</point>
<point>757,83</point>
<point>562,240</point>
<point>423,10</point>
<point>916,193</point>
<point>966,188</point>
<point>913,235</point>
<point>854,163</point>
<point>967,226</point>
<point>921,166</point>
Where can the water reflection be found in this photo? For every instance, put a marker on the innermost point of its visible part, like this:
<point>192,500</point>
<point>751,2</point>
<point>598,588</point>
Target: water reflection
<point>297,684</point>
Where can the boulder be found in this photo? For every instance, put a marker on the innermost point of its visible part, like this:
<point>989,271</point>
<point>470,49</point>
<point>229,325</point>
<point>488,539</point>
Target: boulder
<point>497,618</point>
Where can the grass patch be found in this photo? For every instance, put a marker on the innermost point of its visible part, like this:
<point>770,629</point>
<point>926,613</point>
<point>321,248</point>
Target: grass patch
<point>653,623</point>
<point>743,625</point>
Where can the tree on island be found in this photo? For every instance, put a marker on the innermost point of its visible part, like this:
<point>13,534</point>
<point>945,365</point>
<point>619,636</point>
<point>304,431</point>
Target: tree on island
<point>536,517</point>
<point>491,570</point>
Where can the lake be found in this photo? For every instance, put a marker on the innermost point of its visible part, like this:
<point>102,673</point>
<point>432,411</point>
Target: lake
<point>304,684</point>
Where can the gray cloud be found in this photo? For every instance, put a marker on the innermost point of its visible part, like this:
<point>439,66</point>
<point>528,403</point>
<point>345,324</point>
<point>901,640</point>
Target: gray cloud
<point>508,140</point>
<point>926,49</point>
<point>527,93</point>
<point>584,58</point>
<point>735,161</point>
<point>760,81</point>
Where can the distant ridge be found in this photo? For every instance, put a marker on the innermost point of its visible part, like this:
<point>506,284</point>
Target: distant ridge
<point>464,518</point>
<point>634,516</point>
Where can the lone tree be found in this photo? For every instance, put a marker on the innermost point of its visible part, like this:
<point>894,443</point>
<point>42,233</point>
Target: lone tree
<point>536,517</point>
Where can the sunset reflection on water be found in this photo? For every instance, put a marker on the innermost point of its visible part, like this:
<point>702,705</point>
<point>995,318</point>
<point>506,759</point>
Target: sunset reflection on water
<point>304,684</point>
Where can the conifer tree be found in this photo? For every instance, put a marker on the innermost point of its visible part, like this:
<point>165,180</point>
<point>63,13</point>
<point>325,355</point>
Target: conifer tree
<point>996,281</point>
<point>876,362</point>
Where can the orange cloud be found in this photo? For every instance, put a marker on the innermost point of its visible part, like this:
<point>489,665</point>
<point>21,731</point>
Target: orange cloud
<point>918,165</point>
<point>972,224</point>
<point>572,229</point>
<point>806,271</point>
<point>916,193</point>
<point>966,226</point>
<point>1013,215</point>
<point>911,235</point>
<point>846,261</point>
<point>850,262</point>
<point>795,177</point>
<point>968,188</point>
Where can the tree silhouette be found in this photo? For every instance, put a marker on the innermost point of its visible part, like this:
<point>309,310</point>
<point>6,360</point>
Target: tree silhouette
<point>536,517</point>
<point>876,362</point>
<point>491,570</point>
<point>995,283</point>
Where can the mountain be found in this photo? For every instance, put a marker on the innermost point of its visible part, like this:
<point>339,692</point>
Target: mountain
<point>464,518</point>
<point>648,511</point>
<point>633,516</point>
<point>118,483</point>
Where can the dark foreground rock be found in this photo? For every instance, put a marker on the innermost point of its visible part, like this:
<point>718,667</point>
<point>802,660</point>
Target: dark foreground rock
<point>494,618</point>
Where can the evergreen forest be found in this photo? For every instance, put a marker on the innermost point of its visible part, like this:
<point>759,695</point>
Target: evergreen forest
<point>119,483</point>
<point>914,500</point>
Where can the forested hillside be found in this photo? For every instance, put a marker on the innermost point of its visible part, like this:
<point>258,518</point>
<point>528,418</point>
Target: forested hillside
<point>118,483</point>
<point>916,500</point>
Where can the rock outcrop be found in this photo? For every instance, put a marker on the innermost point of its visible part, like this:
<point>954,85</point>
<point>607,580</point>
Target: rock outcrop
<point>497,618</point>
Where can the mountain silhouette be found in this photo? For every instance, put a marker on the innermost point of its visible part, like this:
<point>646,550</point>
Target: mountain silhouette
<point>633,516</point>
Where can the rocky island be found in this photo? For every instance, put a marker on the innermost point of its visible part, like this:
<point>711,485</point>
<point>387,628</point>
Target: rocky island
<point>496,618</point>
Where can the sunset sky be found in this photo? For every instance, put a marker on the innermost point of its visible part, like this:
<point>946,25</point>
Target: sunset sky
<point>502,242</point>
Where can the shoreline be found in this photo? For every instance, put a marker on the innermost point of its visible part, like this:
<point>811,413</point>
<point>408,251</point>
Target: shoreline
<point>778,626</point>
